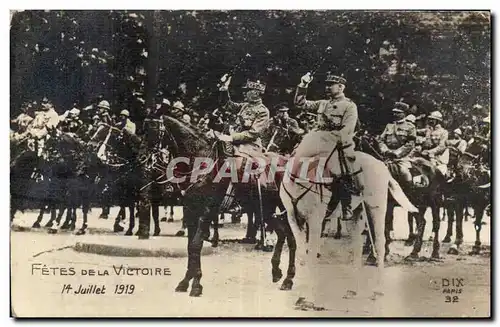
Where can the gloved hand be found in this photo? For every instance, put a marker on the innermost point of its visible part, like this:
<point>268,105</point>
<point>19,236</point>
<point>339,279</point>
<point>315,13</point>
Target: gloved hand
<point>305,80</point>
<point>224,82</point>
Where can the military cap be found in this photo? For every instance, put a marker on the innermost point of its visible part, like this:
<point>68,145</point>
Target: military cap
<point>400,107</point>
<point>125,112</point>
<point>330,78</point>
<point>261,87</point>
<point>458,131</point>
<point>411,119</point>
<point>281,107</point>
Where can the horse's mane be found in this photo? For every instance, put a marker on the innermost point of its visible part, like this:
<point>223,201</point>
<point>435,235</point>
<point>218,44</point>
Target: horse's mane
<point>187,137</point>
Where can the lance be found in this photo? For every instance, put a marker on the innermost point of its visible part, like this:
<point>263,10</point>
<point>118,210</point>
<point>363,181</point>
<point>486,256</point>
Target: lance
<point>233,71</point>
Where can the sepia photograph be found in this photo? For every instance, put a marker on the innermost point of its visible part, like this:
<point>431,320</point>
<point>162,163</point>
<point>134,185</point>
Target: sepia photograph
<point>250,163</point>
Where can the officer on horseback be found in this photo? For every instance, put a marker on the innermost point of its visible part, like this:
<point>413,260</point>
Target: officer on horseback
<point>72,123</point>
<point>44,121</point>
<point>398,140</point>
<point>104,112</point>
<point>434,147</point>
<point>253,119</point>
<point>336,122</point>
<point>125,123</point>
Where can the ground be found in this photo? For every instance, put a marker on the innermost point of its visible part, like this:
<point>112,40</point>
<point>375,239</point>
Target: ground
<point>237,278</point>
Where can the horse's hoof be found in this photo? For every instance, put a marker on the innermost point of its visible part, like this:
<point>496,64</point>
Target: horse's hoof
<point>103,216</point>
<point>49,224</point>
<point>258,246</point>
<point>475,250</point>
<point>118,229</point>
<point>180,233</point>
<point>435,255</point>
<point>52,231</point>
<point>72,227</point>
<point>196,291</point>
<point>267,248</point>
<point>453,249</point>
<point>447,239</point>
<point>371,260</point>
<point>182,287</point>
<point>337,236</point>
<point>170,220</point>
<point>459,241</point>
<point>248,240</point>
<point>142,236</point>
<point>163,219</point>
<point>287,285</point>
<point>412,257</point>
<point>277,274</point>
<point>36,225</point>
<point>409,241</point>
<point>157,232</point>
<point>129,233</point>
<point>215,244</point>
<point>81,232</point>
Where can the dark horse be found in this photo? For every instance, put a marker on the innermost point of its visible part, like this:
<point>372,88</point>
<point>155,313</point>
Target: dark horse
<point>119,154</point>
<point>470,186</point>
<point>203,193</point>
<point>422,197</point>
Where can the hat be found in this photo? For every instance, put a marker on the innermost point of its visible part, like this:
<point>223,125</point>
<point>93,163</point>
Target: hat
<point>165,101</point>
<point>411,118</point>
<point>124,112</point>
<point>261,87</point>
<point>178,105</point>
<point>104,104</point>
<point>400,107</point>
<point>458,131</point>
<point>436,115</point>
<point>96,117</point>
<point>74,111</point>
<point>335,79</point>
<point>282,107</point>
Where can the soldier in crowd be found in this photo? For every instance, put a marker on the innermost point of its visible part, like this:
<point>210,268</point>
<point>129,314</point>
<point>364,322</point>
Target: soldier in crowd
<point>177,110</point>
<point>22,121</point>
<point>336,122</point>
<point>104,112</point>
<point>252,120</point>
<point>124,122</point>
<point>72,122</point>
<point>434,147</point>
<point>284,132</point>
<point>398,140</point>
<point>456,143</point>
<point>45,120</point>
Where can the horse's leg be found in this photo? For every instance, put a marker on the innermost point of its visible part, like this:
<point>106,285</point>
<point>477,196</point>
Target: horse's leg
<point>72,225</point>
<point>436,224</point>
<point>131,225</point>
<point>450,208</point>
<point>215,238</point>
<point>171,217</point>
<point>420,219</point>
<point>459,232</point>
<point>155,212</point>
<point>56,217</point>
<point>192,227</point>
<point>67,221</point>
<point>36,224</point>
<point>338,233</point>
<point>195,251</point>
<point>292,250</point>
<point>117,228</point>
<point>478,222</point>
<point>411,234</point>
<point>275,260</point>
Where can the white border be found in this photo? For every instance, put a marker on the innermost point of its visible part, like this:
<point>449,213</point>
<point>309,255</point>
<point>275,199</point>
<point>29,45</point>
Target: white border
<point>190,4</point>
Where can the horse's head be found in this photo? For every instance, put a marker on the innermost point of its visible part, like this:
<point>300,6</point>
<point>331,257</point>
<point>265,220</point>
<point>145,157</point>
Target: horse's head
<point>114,146</point>
<point>185,140</point>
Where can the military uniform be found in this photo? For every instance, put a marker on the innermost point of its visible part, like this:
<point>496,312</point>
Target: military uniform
<point>284,131</point>
<point>434,145</point>
<point>397,141</point>
<point>252,120</point>
<point>336,122</point>
<point>126,123</point>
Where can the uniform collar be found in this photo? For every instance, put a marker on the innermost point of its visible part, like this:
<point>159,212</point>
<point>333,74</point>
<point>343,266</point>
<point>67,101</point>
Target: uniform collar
<point>400,121</point>
<point>341,96</point>
<point>255,102</point>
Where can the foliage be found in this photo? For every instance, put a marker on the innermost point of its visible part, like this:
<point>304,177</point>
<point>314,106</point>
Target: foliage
<point>431,60</point>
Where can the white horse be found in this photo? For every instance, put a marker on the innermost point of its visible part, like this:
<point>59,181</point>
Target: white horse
<point>307,202</point>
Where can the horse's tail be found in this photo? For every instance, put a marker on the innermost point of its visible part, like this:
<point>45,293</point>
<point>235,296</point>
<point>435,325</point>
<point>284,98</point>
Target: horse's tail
<point>400,197</point>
